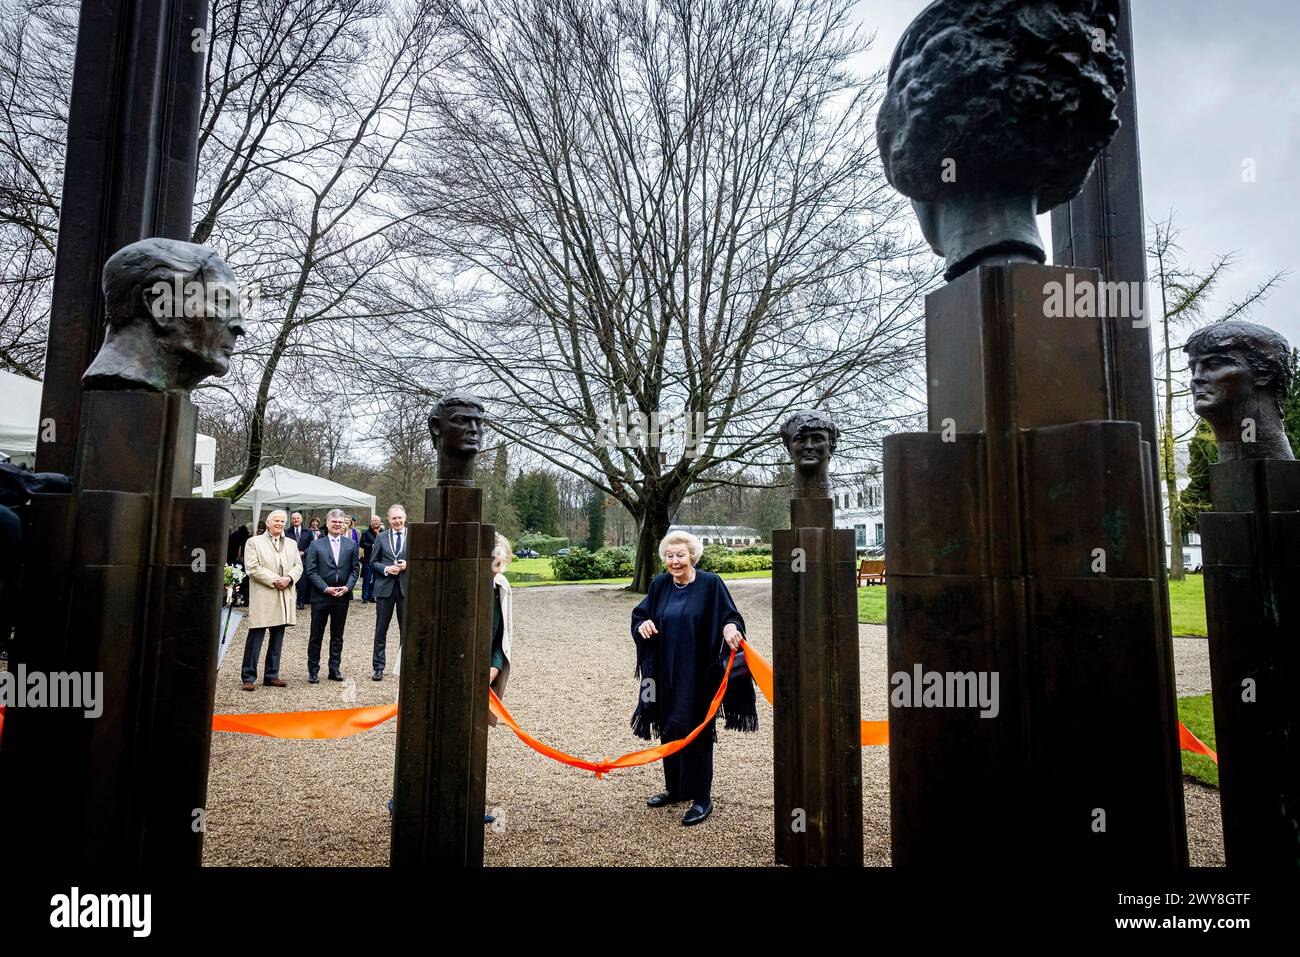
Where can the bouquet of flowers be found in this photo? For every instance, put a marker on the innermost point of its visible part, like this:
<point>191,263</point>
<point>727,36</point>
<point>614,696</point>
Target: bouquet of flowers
<point>235,575</point>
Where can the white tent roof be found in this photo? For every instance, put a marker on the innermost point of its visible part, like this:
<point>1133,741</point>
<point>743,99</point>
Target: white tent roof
<point>20,413</point>
<point>277,485</point>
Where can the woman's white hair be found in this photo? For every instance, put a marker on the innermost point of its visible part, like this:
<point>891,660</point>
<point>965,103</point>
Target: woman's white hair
<point>501,556</point>
<point>681,538</point>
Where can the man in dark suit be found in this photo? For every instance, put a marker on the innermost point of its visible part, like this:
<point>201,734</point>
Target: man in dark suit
<point>367,556</point>
<point>332,566</point>
<point>304,536</point>
<point>389,567</point>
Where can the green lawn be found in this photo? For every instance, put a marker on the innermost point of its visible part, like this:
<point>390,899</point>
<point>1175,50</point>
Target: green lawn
<point>1186,602</point>
<point>1198,714</point>
<point>871,604</point>
<point>530,572</point>
<point>1187,607</point>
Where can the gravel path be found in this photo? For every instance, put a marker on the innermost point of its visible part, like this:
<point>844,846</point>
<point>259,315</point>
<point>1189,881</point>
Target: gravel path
<point>317,803</point>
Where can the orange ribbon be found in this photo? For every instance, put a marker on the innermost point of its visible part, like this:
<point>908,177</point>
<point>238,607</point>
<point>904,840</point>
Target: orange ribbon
<point>348,721</point>
<point>305,725</point>
<point>1190,742</point>
<point>874,733</point>
<point>630,760</point>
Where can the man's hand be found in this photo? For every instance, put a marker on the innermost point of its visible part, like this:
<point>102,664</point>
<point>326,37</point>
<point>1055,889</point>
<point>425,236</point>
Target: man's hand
<point>338,591</point>
<point>647,629</point>
<point>284,581</point>
<point>732,636</point>
<point>391,570</point>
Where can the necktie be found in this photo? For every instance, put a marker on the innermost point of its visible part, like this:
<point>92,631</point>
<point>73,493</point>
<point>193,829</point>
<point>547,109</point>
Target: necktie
<point>398,547</point>
<point>334,547</point>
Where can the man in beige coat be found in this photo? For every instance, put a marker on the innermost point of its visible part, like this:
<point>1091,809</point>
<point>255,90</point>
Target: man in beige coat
<point>274,565</point>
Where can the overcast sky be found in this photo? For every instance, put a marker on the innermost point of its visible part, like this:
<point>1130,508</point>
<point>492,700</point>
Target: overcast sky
<point>1217,84</point>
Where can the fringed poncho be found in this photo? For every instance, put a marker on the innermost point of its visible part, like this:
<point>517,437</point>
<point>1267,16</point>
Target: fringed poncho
<point>681,666</point>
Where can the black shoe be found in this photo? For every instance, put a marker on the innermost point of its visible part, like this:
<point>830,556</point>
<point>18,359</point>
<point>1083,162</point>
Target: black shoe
<point>301,607</point>
<point>335,677</point>
<point>698,813</point>
<point>313,679</point>
<point>662,799</point>
<point>378,675</point>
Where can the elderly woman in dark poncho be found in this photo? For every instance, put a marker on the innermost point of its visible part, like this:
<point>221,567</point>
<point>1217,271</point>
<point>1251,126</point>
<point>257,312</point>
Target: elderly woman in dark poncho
<point>684,630</point>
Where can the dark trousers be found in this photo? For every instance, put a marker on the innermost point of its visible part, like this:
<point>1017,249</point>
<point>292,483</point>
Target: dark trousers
<point>384,608</point>
<point>367,581</point>
<point>336,613</point>
<point>688,774</point>
<point>303,586</point>
<point>253,650</point>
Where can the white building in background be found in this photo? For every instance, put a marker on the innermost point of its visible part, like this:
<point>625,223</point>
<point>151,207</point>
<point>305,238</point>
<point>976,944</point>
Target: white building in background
<point>737,536</point>
<point>1191,540</point>
<point>860,505</point>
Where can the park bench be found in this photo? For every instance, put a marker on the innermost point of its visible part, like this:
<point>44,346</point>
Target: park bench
<point>871,571</point>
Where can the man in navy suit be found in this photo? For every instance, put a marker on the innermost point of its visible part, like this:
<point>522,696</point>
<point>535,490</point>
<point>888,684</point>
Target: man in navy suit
<point>389,566</point>
<point>333,562</point>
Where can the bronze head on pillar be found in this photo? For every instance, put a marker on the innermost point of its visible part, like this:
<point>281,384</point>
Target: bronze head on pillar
<point>457,428</point>
<point>1241,376</point>
<point>173,316</point>
<point>994,112</point>
<point>810,438</point>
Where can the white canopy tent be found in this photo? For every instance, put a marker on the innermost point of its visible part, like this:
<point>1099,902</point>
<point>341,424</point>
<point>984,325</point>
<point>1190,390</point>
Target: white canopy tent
<point>20,415</point>
<point>285,488</point>
<point>205,460</point>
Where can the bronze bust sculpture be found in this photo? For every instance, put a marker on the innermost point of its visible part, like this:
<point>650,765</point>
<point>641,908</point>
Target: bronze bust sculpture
<point>1241,375</point>
<point>457,426</point>
<point>994,113</point>
<point>810,438</point>
<point>173,316</point>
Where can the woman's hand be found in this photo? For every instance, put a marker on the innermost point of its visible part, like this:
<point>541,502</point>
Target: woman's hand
<point>732,636</point>
<point>647,629</point>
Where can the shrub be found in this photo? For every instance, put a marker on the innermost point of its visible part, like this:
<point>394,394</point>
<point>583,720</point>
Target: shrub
<point>755,550</point>
<point>578,565</point>
<point>712,557</point>
<point>541,544</point>
<point>620,559</point>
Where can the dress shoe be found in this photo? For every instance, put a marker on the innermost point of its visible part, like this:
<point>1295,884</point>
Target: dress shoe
<point>662,799</point>
<point>276,683</point>
<point>248,686</point>
<point>378,675</point>
<point>698,813</point>
<point>335,677</point>
<point>313,679</point>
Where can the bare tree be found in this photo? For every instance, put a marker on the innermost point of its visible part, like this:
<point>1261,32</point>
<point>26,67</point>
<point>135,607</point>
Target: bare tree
<point>37,38</point>
<point>1186,295</point>
<point>409,461</point>
<point>317,228</point>
<point>674,207</point>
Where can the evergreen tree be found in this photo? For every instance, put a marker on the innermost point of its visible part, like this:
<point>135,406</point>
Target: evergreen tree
<point>595,520</point>
<point>1202,452</point>
<point>1291,407</point>
<point>537,502</point>
<point>498,508</point>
